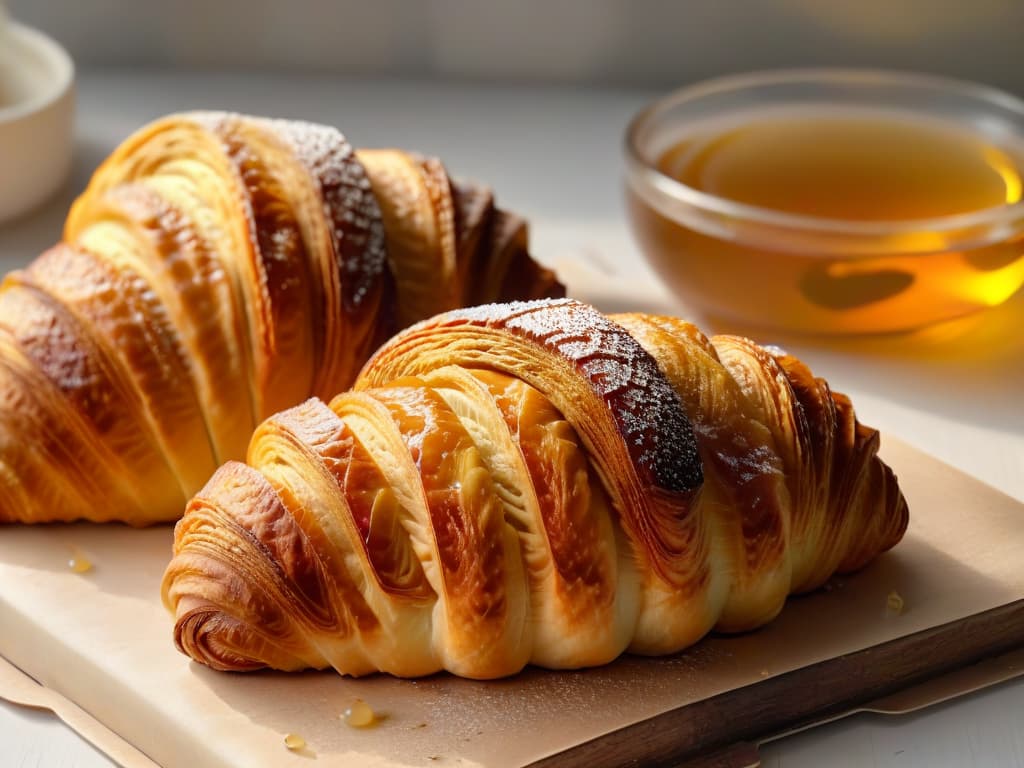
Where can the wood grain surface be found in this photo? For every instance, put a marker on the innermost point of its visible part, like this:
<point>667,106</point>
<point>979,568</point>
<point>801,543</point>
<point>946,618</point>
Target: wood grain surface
<point>724,729</point>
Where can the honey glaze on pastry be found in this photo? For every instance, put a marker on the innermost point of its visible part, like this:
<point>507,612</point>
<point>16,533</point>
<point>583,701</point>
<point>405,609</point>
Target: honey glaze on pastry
<point>218,269</point>
<point>529,483</point>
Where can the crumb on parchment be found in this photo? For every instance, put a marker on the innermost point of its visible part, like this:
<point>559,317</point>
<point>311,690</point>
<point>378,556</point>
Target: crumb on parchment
<point>894,603</point>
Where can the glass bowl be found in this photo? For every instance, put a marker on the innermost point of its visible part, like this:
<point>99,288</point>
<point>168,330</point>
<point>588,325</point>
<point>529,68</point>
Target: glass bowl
<point>774,268</point>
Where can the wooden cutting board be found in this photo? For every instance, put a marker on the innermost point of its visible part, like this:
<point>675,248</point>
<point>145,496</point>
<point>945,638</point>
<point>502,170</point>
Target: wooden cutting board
<point>103,640</point>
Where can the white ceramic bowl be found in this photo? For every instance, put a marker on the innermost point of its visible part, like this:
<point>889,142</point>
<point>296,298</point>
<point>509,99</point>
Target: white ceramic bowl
<point>36,117</point>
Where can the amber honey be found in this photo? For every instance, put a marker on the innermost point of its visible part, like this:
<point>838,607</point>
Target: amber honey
<point>835,219</point>
<point>854,167</point>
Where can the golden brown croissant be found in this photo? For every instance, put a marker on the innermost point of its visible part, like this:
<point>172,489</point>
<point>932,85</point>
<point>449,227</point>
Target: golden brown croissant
<point>529,483</point>
<point>218,269</point>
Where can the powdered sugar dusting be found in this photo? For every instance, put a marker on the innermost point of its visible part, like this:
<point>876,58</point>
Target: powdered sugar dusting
<point>647,411</point>
<point>357,228</point>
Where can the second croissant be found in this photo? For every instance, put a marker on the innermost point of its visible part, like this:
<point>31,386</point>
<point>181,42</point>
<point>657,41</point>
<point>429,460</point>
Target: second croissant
<point>530,483</point>
<point>217,269</point>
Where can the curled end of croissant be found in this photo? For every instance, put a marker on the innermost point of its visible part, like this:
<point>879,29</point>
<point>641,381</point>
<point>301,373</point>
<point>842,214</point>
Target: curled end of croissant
<point>213,638</point>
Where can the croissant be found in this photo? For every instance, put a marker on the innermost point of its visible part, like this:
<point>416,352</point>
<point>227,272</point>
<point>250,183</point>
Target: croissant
<point>529,483</point>
<point>217,269</point>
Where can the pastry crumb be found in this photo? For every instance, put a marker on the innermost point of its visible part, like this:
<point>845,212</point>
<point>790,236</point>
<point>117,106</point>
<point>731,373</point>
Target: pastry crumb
<point>894,603</point>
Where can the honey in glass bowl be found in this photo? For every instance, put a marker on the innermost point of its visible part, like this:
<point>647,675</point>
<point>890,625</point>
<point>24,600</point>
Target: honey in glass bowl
<point>829,201</point>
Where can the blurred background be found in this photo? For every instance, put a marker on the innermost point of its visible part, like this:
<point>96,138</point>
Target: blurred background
<point>617,43</point>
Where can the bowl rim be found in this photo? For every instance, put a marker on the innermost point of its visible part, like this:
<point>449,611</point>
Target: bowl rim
<point>57,86</point>
<point>639,166</point>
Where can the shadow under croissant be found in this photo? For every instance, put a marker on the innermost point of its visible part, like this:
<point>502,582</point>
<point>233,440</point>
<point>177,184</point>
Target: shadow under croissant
<point>538,711</point>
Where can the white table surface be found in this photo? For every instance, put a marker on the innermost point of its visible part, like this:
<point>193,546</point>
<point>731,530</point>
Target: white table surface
<point>554,155</point>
